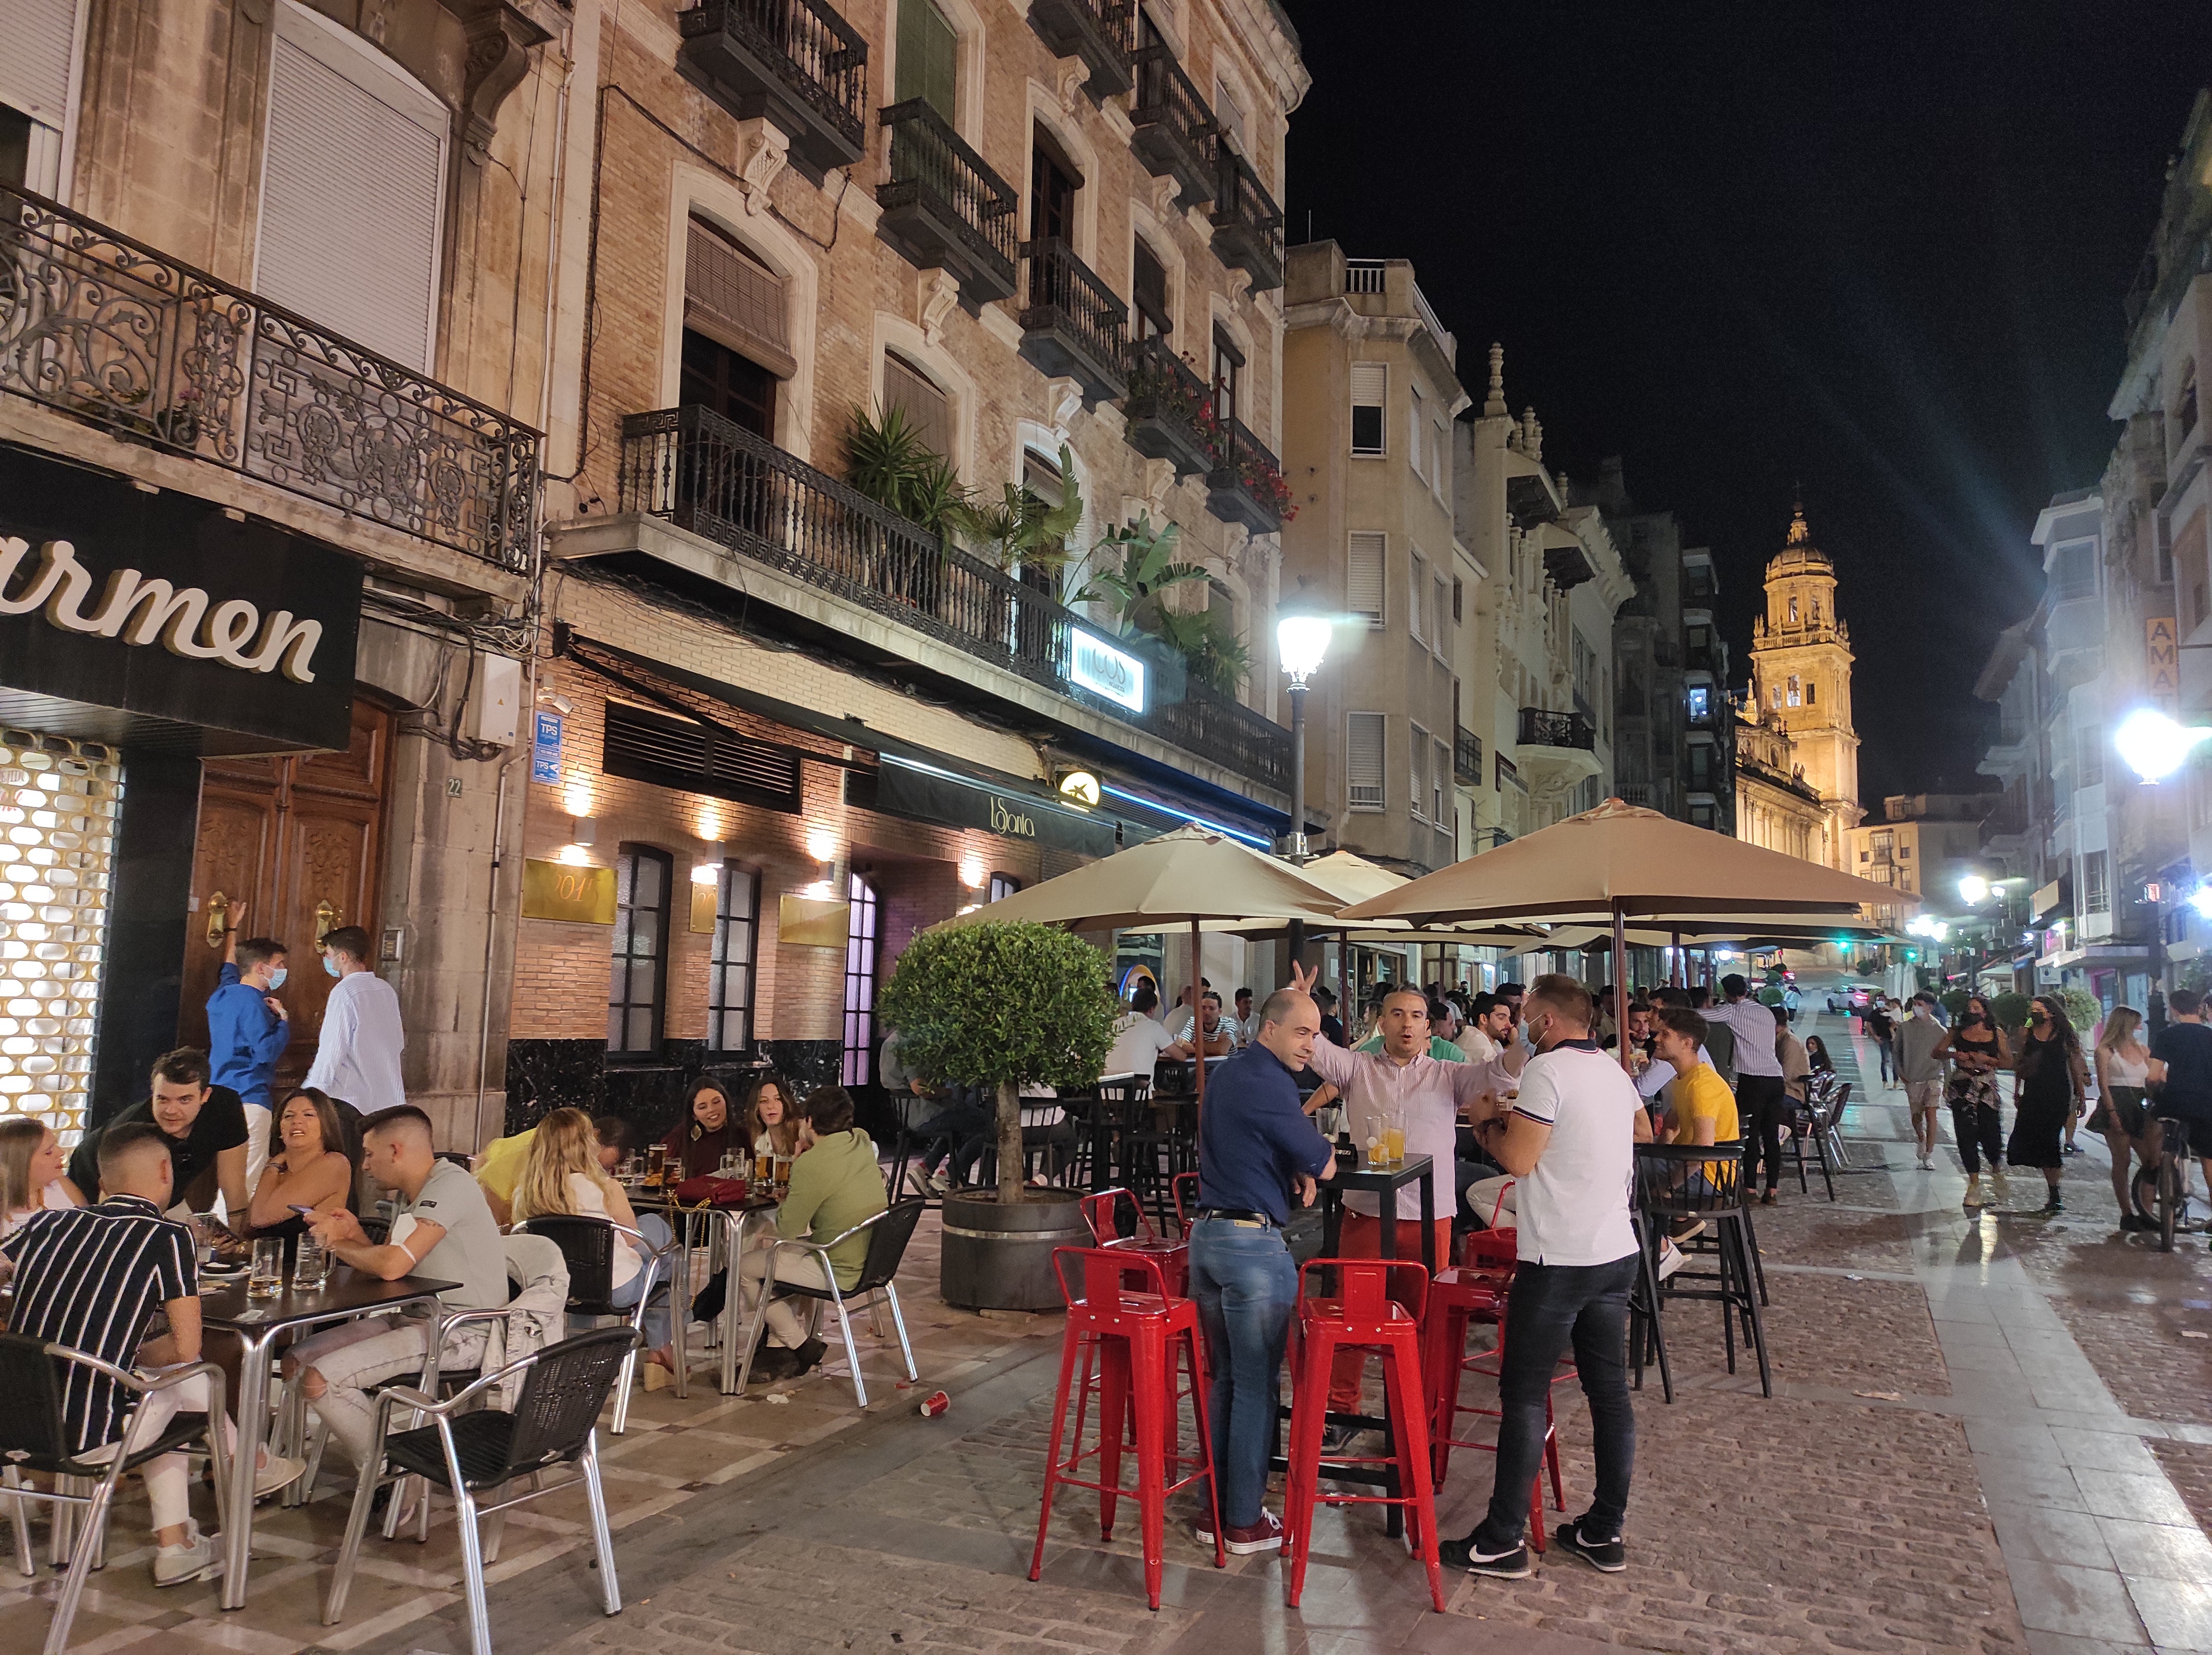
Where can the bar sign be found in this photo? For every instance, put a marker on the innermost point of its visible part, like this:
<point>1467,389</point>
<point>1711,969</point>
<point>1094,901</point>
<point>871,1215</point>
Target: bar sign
<point>545,750</point>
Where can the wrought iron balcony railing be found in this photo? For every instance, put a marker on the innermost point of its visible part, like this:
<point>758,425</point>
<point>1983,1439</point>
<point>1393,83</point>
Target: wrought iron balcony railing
<point>1173,129</point>
<point>112,332</point>
<point>707,474</point>
<point>1542,728</point>
<point>1248,225</point>
<point>1102,32</point>
<point>944,206</point>
<point>795,61</point>
<point>1169,409</point>
<point>1246,484</point>
<point>1073,323</point>
<point>1467,757</point>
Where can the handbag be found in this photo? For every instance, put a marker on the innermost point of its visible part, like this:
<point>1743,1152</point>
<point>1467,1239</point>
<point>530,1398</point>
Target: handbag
<point>712,1190</point>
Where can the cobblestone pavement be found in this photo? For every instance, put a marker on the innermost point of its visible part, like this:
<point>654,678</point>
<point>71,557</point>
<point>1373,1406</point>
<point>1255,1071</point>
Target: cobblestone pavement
<point>1987,1435</point>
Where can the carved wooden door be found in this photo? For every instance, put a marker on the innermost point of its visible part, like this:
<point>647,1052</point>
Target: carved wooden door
<point>299,838</point>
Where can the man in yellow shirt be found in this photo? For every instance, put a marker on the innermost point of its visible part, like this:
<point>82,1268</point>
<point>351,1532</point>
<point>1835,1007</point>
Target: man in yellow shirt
<point>498,1169</point>
<point>1700,1108</point>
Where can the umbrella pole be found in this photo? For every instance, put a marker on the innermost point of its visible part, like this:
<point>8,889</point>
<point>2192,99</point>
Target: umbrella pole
<point>1197,1010</point>
<point>1620,982</point>
<point>1675,974</point>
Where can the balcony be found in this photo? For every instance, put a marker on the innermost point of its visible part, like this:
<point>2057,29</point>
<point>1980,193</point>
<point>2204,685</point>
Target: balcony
<point>1248,226</point>
<point>1467,757</point>
<point>797,63</point>
<point>1174,130</point>
<point>699,471</point>
<point>1245,483</point>
<point>109,331</point>
<point>944,208</point>
<point>1102,32</point>
<point>1557,749</point>
<point>1169,409</point>
<point>1072,325</point>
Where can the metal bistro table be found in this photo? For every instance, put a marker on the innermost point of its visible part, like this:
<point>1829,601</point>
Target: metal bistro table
<point>733,1221</point>
<point>257,1322</point>
<point>1384,1182</point>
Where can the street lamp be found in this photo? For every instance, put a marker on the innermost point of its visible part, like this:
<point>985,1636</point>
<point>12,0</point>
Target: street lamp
<point>2154,745</point>
<point>1973,890</point>
<point>1301,641</point>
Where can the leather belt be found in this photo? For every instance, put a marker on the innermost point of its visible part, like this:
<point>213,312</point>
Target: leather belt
<point>1236,1216</point>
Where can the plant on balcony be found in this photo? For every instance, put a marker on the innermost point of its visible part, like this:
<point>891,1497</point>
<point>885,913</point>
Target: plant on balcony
<point>1139,568</point>
<point>1021,529</point>
<point>1265,484</point>
<point>887,460</point>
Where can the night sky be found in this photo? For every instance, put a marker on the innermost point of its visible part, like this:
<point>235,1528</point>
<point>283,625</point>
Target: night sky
<point>1878,249</point>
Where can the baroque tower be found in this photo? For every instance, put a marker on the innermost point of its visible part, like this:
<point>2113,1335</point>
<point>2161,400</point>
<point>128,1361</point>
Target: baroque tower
<point>1801,679</point>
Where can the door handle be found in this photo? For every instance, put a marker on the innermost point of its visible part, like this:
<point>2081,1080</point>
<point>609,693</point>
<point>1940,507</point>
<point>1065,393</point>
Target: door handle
<point>218,918</point>
<point>328,918</point>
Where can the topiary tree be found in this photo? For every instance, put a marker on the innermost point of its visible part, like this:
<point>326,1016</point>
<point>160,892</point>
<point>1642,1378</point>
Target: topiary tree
<point>2010,1009</point>
<point>2082,1007</point>
<point>1004,1005</point>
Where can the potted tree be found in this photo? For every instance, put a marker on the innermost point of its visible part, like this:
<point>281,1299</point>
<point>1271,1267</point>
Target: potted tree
<point>1005,1006</point>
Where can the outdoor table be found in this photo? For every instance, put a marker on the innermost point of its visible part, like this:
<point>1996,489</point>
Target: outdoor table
<point>735,1222</point>
<point>347,1295</point>
<point>661,1198</point>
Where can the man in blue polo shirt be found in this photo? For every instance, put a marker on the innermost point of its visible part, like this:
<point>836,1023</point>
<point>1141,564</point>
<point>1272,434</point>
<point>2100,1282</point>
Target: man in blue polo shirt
<point>1254,1144</point>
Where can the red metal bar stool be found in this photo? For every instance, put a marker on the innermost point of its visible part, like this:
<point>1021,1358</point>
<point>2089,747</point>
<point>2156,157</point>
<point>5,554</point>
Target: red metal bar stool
<point>1362,1316</point>
<point>1140,1341</point>
<point>1118,1219</point>
<point>1459,1299</point>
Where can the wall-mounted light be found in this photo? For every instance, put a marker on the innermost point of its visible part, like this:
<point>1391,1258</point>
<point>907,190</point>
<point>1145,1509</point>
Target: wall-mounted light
<point>821,844</point>
<point>582,830</point>
<point>560,704</point>
<point>972,871</point>
<point>576,797</point>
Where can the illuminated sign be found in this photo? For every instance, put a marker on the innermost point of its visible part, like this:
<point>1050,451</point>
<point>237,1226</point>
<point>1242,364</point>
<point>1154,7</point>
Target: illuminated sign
<point>1080,786</point>
<point>1100,668</point>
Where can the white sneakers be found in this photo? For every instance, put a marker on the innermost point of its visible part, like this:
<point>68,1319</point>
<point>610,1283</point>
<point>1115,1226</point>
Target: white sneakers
<point>276,1471</point>
<point>1670,1257</point>
<point>178,1566</point>
<point>1925,1163</point>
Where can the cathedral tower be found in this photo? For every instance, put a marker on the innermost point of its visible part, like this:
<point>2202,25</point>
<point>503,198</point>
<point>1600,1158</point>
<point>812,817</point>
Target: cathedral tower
<point>1801,678</point>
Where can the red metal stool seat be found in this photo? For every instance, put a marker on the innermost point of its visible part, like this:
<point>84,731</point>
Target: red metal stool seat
<point>1140,1341</point>
<point>1363,1316</point>
<point>1458,1300</point>
<point>1109,1215</point>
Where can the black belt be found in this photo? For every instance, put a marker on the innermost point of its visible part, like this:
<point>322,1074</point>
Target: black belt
<point>1237,1216</point>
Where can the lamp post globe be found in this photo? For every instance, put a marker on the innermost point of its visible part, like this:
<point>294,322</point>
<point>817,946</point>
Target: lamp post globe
<point>1301,641</point>
<point>2154,745</point>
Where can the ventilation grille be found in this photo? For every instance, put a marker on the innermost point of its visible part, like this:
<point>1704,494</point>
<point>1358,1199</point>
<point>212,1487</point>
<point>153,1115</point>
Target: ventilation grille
<point>696,758</point>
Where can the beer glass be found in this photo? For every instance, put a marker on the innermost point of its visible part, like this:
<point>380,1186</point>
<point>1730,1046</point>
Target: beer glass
<point>310,1266</point>
<point>266,1278</point>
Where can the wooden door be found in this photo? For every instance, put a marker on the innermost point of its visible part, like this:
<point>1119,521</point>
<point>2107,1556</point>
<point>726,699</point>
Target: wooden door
<point>299,838</point>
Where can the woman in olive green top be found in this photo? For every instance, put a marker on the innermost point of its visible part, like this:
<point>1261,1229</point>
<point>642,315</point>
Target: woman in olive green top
<point>835,1185</point>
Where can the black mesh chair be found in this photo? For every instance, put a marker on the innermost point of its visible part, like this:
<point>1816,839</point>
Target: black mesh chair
<point>889,1232</point>
<point>588,1245</point>
<point>1678,1183</point>
<point>1810,1120</point>
<point>33,1439</point>
<point>470,1454</point>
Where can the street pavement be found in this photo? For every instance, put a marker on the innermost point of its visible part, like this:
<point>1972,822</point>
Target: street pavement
<point>1988,1434</point>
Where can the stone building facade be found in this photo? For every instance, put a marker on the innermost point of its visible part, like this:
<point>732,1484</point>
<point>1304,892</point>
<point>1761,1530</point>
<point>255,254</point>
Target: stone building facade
<point>1801,689</point>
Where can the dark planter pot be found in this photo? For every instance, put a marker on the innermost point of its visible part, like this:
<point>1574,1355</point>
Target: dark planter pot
<point>998,1258</point>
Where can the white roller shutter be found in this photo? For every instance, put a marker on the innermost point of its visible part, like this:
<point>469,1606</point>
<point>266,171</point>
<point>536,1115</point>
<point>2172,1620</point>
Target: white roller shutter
<point>34,63</point>
<point>1363,761</point>
<point>1363,580</point>
<point>352,181</point>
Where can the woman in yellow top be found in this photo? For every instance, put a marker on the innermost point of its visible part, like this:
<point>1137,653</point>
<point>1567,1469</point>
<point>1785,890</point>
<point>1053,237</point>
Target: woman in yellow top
<point>1700,1108</point>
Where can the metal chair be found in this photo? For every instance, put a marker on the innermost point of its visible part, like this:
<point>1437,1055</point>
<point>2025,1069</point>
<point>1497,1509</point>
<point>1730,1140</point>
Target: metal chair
<point>1669,1192</point>
<point>554,1421</point>
<point>1809,1120</point>
<point>588,1245</point>
<point>33,1439</point>
<point>889,1232</point>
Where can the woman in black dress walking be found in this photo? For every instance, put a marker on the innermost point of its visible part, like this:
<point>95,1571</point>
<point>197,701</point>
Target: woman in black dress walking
<point>1976,1050</point>
<point>2052,1081</point>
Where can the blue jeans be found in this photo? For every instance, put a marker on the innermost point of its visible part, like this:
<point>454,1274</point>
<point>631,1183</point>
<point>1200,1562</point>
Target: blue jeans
<point>1245,1286</point>
<point>1550,1306</point>
<point>654,1228</point>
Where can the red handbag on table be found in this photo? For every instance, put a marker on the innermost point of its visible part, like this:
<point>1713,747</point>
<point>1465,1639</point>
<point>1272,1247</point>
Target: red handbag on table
<point>713,1190</point>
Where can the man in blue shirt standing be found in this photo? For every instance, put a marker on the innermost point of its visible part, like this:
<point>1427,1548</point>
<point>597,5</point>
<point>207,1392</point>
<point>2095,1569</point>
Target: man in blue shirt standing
<point>247,1032</point>
<point>1254,1143</point>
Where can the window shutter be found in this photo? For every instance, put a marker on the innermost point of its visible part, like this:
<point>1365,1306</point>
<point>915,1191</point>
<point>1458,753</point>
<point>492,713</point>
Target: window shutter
<point>1363,585</point>
<point>928,53</point>
<point>736,300</point>
<point>1363,761</point>
<point>1438,609</point>
<point>353,182</point>
<point>927,408</point>
<point>1414,596</point>
<point>1439,774</point>
<point>1416,429</point>
<point>1371,389</point>
<point>1417,770</point>
<point>34,71</point>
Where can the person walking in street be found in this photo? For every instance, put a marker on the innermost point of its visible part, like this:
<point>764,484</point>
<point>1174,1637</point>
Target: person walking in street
<point>248,1029</point>
<point>1883,1028</point>
<point>1255,1146</point>
<point>2181,1075</point>
<point>1569,1136</point>
<point>358,1048</point>
<point>1919,1039</point>
<point>2051,1080</point>
<point>1977,1049</point>
<point>2122,1063</point>
<point>1760,1098</point>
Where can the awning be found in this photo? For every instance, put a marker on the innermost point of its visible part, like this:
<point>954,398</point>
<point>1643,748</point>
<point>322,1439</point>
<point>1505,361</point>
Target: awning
<point>921,792</point>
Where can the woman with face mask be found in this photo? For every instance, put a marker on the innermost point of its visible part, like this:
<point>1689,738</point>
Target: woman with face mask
<point>2052,1081</point>
<point>1977,1049</point>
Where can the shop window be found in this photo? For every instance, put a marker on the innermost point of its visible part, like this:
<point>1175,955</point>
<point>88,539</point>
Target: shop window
<point>861,962</point>
<point>1003,885</point>
<point>730,980</point>
<point>1148,283</point>
<point>929,58</point>
<point>636,991</point>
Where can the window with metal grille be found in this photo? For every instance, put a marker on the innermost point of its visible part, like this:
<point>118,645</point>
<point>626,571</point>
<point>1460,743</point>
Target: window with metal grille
<point>635,997</point>
<point>1363,761</point>
<point>860,945</point>
<point>1363,575</point>
<point>927,408</point>
<point>1370,391</point>
<point>1417,769</point>
<point>736,300</point>
<point>1413,594</point>
<point>729,972</point>
<point>693,757</point>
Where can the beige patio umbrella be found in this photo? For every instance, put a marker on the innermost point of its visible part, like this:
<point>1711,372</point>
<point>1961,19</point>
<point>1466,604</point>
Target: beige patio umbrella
<point>1617,863</point>
<point>1350,878</point>
<point>1185,877</point>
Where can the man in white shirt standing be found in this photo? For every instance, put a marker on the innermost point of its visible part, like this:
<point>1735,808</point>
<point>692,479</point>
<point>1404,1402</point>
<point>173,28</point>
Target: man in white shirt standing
<point>1760,1098</point>
<point>1570,1137</point>
<point>357,1051</point>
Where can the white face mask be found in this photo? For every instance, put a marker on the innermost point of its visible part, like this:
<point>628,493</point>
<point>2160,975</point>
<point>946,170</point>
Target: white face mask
<point>331,965</point>
<point>277,977</point>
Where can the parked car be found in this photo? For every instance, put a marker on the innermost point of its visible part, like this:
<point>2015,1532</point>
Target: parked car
<point>1851,999</point>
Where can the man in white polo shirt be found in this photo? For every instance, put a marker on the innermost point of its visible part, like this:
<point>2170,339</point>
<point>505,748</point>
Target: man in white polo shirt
<point>1571,1138</point>
<point>1760,1098</point>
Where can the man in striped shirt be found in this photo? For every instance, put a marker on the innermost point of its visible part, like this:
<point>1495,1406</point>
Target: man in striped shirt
<point>90,1279</point>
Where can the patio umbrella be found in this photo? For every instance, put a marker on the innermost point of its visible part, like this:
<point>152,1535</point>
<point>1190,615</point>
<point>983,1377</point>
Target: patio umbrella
<point>1619,862</point>
<point>1185,877</point>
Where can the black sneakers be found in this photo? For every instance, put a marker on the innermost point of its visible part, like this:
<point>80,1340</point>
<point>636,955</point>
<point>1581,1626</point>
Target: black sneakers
<point>1609,1555</point>
<point>1511,1565</point>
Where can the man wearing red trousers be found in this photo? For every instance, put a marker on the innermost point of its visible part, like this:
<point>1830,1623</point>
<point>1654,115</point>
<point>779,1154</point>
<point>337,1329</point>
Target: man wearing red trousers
<point>1426,1094</point>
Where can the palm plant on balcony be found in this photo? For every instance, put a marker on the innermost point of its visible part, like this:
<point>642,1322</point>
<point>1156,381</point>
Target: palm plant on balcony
<point>887,459</point>
<point>1021,529</point>
<point>1138,569</point>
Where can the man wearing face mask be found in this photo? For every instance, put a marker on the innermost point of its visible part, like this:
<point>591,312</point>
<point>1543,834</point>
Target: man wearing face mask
<point>357,1050</point>
<point>248,1030</point>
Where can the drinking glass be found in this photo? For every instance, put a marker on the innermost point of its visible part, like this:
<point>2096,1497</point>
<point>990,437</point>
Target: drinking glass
<point>656,1158</point>
<point>266,1279</point>
<point>763,1164</point>
<point>204,1238</point>
<point>782,1172</point>
<point>1377,1149</point>
<point>729,1166</point>
<point>1394,1138</point>
<point>310,1266</point>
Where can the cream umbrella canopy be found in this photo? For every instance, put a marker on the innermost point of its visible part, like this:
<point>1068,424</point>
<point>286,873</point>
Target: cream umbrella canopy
<point>1185,878</point>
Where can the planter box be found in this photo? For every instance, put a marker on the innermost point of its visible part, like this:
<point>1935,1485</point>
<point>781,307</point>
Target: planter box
<point>998,1258</point>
